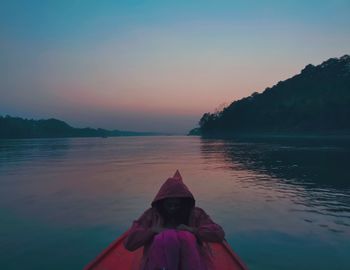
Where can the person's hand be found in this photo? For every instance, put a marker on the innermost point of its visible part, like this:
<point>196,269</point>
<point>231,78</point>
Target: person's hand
<point>183,227</point>
<point>157,229</point>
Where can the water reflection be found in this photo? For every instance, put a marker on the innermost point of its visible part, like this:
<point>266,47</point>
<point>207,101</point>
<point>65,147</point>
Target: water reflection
<point>16,153</point>
<point>312,174</point>
<point>271,197</point>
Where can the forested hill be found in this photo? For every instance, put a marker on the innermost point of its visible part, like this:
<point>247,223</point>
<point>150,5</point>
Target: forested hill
<point>316,100</point>
<point>15,127</point>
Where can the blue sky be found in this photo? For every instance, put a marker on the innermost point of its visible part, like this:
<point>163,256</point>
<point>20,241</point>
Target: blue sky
<point>156,65</point>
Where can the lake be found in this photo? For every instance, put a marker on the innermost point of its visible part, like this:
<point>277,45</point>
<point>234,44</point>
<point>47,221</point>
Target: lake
<point>283,203</point>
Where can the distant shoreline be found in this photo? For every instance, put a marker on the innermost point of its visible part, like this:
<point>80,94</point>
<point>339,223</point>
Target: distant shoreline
<point>19,128</point>
<point>276,135</point>
<point>87,137</point>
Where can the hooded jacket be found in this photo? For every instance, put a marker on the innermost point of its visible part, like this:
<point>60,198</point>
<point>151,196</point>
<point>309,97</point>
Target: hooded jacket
<point>141,234</point>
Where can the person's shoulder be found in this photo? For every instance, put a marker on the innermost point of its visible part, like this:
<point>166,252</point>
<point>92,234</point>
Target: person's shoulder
<point>199,211</point>
<point>147,213</point>
<point>151,211</point>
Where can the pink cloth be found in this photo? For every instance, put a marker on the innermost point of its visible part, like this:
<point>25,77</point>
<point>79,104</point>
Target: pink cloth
<point>174,250</point>
<point>206,230</point>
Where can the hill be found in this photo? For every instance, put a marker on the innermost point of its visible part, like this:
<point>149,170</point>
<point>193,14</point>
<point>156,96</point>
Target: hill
<point>16,128</point>
<point>315,101</point>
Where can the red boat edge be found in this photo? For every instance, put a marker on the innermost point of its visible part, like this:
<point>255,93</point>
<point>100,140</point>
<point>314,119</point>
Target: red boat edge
<point>102,256</point>
<point>104,253</point>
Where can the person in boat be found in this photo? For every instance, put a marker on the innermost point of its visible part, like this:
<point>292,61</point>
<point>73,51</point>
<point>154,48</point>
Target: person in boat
<point>174,232</point>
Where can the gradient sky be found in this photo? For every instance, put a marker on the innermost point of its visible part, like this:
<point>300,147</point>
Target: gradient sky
<point>156,65</point>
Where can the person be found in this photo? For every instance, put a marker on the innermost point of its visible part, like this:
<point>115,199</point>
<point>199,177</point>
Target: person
<point>173,231</point>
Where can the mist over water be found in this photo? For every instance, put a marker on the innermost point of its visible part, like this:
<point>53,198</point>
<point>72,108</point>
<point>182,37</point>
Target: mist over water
<point>284,204</point>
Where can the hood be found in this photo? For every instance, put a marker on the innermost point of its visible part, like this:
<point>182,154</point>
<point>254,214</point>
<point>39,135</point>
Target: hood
<point>173,187</point>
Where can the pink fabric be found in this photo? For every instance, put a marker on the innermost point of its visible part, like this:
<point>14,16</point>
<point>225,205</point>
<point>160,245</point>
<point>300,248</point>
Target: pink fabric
<point>206,230</point>
<point>141,234</point>
<point>173,187</point>
<point>174,250</point>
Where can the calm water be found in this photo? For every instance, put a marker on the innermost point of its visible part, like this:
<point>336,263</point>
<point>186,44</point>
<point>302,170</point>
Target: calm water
<point>283,204</point>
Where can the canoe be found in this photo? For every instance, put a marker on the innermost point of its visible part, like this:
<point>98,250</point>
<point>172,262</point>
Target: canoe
<point>115,256</point>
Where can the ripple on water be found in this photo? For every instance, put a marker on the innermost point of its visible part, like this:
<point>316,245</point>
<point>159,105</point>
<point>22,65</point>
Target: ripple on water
<point>283,197</point>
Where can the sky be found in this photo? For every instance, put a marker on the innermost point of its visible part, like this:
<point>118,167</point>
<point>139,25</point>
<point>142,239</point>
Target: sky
<point>156,65</point>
